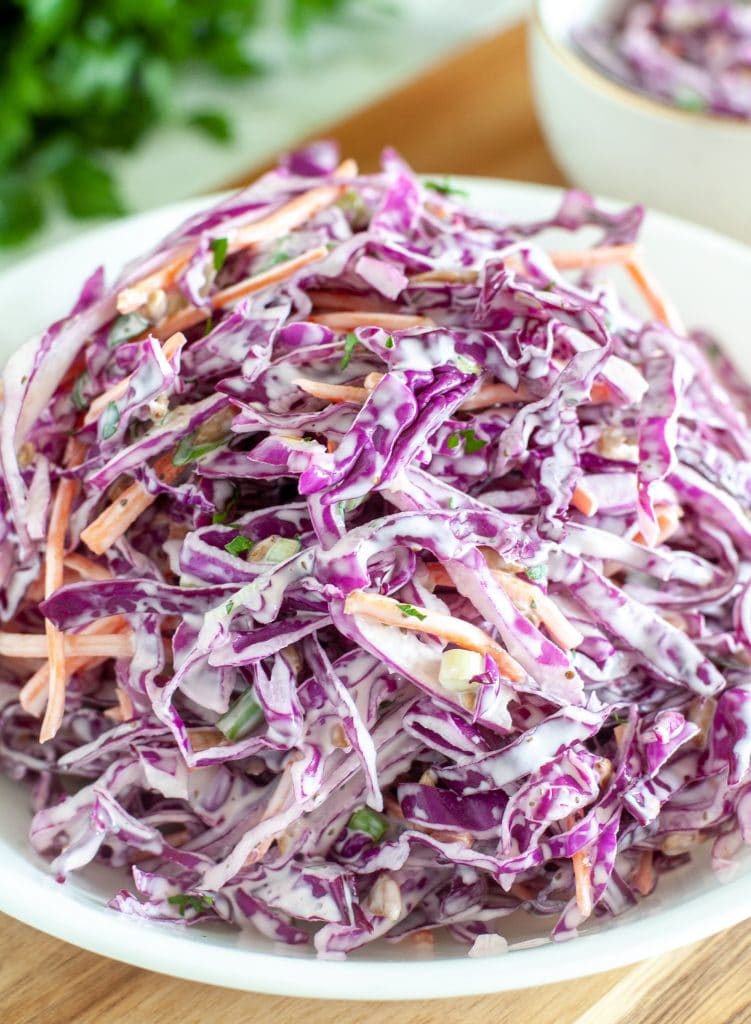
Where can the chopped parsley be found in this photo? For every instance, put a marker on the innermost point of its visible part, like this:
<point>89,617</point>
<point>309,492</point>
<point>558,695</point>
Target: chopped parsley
<point>349,347</point>
<point>389,342</point>
<point>229,606</point>
<point>188,901</point>
<point>410,610</point>
<point>109,421</point>
<point>219,247</point>
<point>238,545</point>
<point>472,443</point>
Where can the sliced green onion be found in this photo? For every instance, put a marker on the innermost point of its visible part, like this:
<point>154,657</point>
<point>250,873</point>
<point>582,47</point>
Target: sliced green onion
<point>238,545</point>
<point>458,669</point>
<point>186,452</point>
<point>282,549</point>
<point>466,365</point>
<point>370,822</point>
<point>77,394</point>
<point>126,327</point>
<point>109,421</point>
<point>536,572</point>
<point>219,247</point>
<point>242,718</point>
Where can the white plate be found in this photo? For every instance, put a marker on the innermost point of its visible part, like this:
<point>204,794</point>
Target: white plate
<point>708,277</point>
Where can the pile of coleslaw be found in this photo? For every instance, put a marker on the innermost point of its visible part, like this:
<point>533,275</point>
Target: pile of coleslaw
<point>370,567</point>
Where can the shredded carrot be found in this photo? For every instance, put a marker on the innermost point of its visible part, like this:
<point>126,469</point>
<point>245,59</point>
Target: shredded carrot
<point>87,569</point>
<point>349,321</point>
<point>189,316</point>
<point>598,256</point>
<point>658,302</point>
<point>34,692</point>
<point>112,523</point>
<point>172,345</point>
<point>448,628</point>
<point>333,300</point>
<point>525,596</point>
<point>668,519</point>
<point>283,220</point>
<point>644,876</point>
<point>35,645</point>
<point>583,500</point>
<point>62,506</point>
<point>582,865</point>
<point>332,392</point>
<point>123,710</point>
<point>135,295</point>
<point>275,224</point>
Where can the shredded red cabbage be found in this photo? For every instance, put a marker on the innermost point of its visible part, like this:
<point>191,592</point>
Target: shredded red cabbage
<point>694,54</point>
<point>403,591</point>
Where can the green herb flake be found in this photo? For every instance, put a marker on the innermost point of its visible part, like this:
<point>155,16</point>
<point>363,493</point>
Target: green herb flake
<point>208,327</point>
<point>188,901</point>
<point>389,342</point>
<point>410,610</point>
<point>472,443</point>
<point>369,822</point>
<point>109,421</point>
<point>229,607</point>
<point>452,441</point>
<point>219,247</point>
<point>349,347</point>
<point>238,545</point>
<point>445,188</point>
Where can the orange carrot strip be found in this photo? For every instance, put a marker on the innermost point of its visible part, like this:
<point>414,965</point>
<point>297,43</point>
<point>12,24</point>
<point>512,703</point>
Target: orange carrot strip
<point>87,569</point>
<point>35,645</point>
<point>60,512</point>
<point>658,302</point>
<point>348,321</point>
<point>334,300</point>
<point>112,523</point>
<point>34,692</point>
<point>575,259</point>
<point>172,345</point>
<point>188,317</point>
<point>583,881</point>
<point>523,594</point>
<point>331,392</point>
<point>644,876</point>
<point>668,520</point>
<point>448,628</point>
<point>134,295</point>
<point>583,500</point>
<point>275,224</point>
<point>287,217</point>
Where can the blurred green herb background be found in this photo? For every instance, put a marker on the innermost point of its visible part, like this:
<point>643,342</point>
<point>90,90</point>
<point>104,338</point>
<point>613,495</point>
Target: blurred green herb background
<point>80,80</point>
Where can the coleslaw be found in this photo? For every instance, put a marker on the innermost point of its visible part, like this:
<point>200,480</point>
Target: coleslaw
<point>371,567</point>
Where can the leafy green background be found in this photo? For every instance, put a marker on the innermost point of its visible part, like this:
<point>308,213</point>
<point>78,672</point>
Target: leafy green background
<point>81,80</point>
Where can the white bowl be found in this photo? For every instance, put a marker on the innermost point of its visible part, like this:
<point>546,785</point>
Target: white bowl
<point>610,139</point>
<point>708,278</point>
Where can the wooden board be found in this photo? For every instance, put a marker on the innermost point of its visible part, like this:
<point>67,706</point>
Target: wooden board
<point>472,114</point>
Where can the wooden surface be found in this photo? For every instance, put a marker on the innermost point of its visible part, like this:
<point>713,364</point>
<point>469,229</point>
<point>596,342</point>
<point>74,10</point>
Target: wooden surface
<point>471,115</point>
